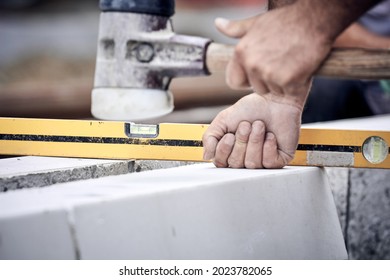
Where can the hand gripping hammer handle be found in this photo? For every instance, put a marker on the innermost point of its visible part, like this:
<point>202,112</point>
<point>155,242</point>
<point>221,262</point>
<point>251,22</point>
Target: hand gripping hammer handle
<point>370,64</point>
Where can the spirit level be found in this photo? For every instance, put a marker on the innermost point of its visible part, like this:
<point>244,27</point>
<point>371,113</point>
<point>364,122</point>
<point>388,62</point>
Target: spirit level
<point>183,142</point>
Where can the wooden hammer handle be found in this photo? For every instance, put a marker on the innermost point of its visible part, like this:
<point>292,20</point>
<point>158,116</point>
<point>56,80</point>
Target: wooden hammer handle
<point>341,63</point>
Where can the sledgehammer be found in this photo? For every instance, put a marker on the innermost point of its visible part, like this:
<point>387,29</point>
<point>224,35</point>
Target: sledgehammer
<point>138,54</point>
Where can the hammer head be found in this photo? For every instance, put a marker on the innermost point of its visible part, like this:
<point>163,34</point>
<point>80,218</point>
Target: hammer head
<point>138,55</point>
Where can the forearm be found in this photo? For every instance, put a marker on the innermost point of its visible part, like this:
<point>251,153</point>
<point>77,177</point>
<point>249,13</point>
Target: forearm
<point>357,36</point>
<point>329,18</point>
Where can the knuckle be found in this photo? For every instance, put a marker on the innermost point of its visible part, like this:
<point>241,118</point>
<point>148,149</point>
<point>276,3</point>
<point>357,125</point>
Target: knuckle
<point>284,81</point>
<point>268,74</point>
<point>253,66</point>
<point>240,50</point>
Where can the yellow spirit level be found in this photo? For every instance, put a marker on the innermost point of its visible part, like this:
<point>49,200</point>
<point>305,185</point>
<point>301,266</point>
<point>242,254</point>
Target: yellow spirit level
<point>183,142</point>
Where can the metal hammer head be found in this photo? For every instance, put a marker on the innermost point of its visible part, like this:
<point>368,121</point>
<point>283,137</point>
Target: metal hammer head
<point>138,55</point>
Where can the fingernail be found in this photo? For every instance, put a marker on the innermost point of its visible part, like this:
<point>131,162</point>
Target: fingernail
<point>222,22</point>
<point>269,136</point>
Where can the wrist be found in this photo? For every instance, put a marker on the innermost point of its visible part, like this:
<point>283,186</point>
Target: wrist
<point>295,98</point>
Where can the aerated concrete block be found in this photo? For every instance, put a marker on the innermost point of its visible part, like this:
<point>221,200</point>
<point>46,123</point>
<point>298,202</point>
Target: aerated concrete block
<point>28,231</point>
<point>194,212</point>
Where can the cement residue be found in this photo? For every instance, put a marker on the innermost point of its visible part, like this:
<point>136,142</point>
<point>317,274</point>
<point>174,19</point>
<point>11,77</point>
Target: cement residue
<point>144,165</point>
<point>43,179</point>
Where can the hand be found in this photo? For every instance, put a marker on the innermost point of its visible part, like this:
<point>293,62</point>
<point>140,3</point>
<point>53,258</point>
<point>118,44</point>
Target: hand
<point>278,52</point>
<point>256,132</point>
<point>276,56</point>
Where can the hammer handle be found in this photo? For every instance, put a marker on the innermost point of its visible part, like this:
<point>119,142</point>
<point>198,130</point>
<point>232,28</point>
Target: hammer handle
<point>346,63</point>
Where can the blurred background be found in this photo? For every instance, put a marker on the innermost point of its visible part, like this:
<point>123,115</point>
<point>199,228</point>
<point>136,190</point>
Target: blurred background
<point>48,52</point>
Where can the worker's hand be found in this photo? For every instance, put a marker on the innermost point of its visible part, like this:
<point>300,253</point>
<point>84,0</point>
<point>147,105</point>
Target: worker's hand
<point>256,132</point>
<point>278,52</point>
<point>276,56</point>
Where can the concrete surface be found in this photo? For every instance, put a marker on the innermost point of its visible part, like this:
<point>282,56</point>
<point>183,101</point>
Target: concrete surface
<point>28,172</point>
<point>190,212</point>
<point>362,197</point>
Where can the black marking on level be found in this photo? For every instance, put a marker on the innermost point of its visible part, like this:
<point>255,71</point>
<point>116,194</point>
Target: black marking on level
<point>329,148</point>
<point>100,140</point>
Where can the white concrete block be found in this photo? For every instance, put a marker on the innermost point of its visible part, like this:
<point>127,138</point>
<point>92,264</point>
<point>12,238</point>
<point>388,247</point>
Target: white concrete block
<point>191,212</point>
<point>36,235</point>
<point>202,212</point>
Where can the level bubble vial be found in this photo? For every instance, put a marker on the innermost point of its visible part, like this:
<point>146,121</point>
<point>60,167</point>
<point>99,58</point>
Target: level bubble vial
<point>375,149</point>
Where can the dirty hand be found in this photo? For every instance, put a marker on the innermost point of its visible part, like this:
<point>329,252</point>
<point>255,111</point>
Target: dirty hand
<point>256,132</point>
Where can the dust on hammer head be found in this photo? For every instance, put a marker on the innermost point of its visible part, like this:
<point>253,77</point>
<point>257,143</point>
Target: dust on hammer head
<point>138,54</point>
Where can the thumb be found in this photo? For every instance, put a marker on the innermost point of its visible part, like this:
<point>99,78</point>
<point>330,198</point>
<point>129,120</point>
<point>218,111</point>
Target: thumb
<point>234,28</point>
<point>272,156</point>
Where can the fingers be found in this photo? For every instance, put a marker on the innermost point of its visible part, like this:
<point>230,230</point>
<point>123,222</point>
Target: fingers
<point>209,147</point>
<point>223,150</point>
<point>254,150</point>
<point>237,156</point>
<point>234,29</point>
<point>250,147</point>
<point>236,77</point>
<point>213,135</point>
<point>244,149</point>
<point>272,156</point>
<point>255,132</point>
